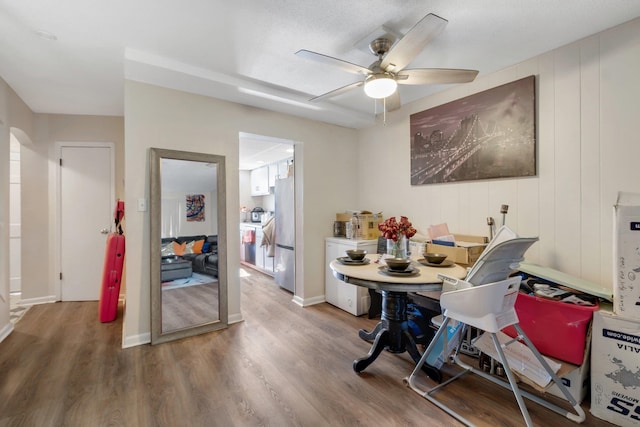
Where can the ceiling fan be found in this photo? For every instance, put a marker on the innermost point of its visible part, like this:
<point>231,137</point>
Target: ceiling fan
<point>382,77</point>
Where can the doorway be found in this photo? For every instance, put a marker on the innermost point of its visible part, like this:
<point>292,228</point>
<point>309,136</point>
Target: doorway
<point>86,200</point>
<point>15,272</point>
<point>265,165</point>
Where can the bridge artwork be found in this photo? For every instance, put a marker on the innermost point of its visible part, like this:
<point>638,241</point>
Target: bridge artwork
<point>487,135</point>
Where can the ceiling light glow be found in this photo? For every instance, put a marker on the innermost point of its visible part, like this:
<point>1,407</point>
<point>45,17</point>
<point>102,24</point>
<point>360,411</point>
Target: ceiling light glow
<point>380,85</point>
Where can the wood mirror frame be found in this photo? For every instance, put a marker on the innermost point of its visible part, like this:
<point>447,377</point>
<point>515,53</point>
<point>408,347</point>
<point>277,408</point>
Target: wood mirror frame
<point>157,155</point>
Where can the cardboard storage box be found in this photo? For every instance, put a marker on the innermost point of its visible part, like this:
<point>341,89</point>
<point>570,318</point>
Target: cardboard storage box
<point>615,369</point>
<point>575,378</point>
<point>343,216</point>
<point>527,369</point>
<point>466,251</point>
<point>368,224</point>
<point>626,253</point>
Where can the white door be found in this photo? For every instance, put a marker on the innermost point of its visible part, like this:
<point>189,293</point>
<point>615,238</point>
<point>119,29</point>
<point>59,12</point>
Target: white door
<point>86,212</point>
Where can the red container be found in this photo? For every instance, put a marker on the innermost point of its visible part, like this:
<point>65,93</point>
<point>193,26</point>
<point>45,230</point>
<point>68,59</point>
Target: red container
<point>557,329</point>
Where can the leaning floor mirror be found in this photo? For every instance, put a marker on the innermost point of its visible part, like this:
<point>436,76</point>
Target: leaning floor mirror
<point>188,244</point>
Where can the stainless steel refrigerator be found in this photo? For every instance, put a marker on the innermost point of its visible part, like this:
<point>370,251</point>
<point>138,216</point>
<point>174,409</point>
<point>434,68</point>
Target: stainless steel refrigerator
<point>285,233</point>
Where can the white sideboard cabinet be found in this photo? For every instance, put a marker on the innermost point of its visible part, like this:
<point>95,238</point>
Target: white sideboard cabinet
<point>351,298</point>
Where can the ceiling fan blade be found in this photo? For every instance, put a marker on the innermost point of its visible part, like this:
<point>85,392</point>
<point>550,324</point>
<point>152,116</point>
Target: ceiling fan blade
<point>422,76</point>
<point>413,43</point>
<point>335,62</point>
<point>392,102</point>
<point>336,92</point>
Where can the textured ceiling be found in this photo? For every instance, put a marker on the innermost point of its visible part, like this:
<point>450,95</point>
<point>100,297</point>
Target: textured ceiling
<point>244,50</point>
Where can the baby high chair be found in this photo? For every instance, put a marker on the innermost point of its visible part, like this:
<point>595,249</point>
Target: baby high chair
<point>485,300</point>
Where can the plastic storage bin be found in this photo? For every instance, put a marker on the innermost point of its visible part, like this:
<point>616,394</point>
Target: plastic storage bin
<point>557,329</point>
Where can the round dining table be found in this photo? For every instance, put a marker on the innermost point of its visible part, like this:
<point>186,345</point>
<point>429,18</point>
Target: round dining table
<point>392,333</point>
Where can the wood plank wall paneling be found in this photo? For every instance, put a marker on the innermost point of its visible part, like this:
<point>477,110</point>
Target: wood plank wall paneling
<point>587,151</point>
<point>590,172</point>
<point>567,156</point>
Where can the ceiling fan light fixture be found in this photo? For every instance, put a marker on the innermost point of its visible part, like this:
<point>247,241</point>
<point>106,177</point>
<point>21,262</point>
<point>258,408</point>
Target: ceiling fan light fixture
<point>380,85</point>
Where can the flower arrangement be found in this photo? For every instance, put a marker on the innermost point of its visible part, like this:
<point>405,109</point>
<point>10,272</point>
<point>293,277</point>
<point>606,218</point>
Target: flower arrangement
<point>392,229</point>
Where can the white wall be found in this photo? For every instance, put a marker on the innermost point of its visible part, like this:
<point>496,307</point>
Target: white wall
<point>37,134</point>
<point>14,214</point>
<point>5,325</point>
<point>17,118</point>
<point>39,161</point>
<point>174,218</point>
<point>588,150</point>
<point>164,118</point>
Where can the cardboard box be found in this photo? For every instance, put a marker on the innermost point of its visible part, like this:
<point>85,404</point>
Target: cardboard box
<point>626,253</point>
<point>574,377</point>
<point>343,216</point>
<point>615,369</point>
<point>369,226</point>
<point>467,250</point>
<point>368,223</point>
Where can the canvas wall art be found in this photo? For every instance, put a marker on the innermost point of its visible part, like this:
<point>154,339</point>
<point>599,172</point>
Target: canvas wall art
<point>195,207</point>
<point>487,135</point>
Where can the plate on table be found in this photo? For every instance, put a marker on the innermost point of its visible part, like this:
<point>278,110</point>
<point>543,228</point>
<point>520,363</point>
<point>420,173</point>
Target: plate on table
<point>348,261</point>
<point>445,263</point>
<point>409,272</point>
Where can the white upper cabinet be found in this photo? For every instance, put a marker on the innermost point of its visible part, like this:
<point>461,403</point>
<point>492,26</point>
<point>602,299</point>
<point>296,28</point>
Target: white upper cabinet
<point>273,174</point>
<point>260,181</point>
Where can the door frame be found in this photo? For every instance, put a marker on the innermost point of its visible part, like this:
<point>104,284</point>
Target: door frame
<point>57,264</point>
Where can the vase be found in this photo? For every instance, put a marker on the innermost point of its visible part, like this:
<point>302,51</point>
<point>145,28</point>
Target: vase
<point>397,249</point>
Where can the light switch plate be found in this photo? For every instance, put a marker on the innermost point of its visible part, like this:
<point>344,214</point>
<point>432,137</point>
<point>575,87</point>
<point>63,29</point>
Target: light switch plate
<point>142,205</point>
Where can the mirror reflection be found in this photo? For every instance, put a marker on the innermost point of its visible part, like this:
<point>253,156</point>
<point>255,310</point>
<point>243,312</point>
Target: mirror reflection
<point>189,236</point>
<point>187,295</point>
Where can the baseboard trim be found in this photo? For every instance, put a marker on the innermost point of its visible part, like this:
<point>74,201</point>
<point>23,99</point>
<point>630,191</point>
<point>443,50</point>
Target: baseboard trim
<point>5,331</point>
<point>235,318</point>
<point>309,301</point>
<point>40,300</point>
<point>136,340</point>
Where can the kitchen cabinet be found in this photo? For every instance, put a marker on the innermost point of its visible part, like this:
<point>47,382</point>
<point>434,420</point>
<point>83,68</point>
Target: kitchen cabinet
<point>260,181</point>
<point>350,298</point>
<point>247,249</point>
<point>258,257</point>
<point>263,261</point>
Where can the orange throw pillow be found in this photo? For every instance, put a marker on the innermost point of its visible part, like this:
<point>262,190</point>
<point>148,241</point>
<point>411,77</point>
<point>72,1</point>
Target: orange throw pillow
<point>178,248</point>
<point>197,246</point>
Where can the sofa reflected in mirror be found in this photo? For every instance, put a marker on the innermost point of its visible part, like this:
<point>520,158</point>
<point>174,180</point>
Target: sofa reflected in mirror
<point>189,276</point>
<point>181,256</point>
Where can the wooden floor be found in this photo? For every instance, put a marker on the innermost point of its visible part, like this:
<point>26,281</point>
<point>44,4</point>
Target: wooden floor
<point>283,366</point>
<point>189,306</point>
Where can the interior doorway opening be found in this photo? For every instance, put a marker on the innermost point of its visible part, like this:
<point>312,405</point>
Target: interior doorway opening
<point>268,208</point>
<point>15,270</point>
